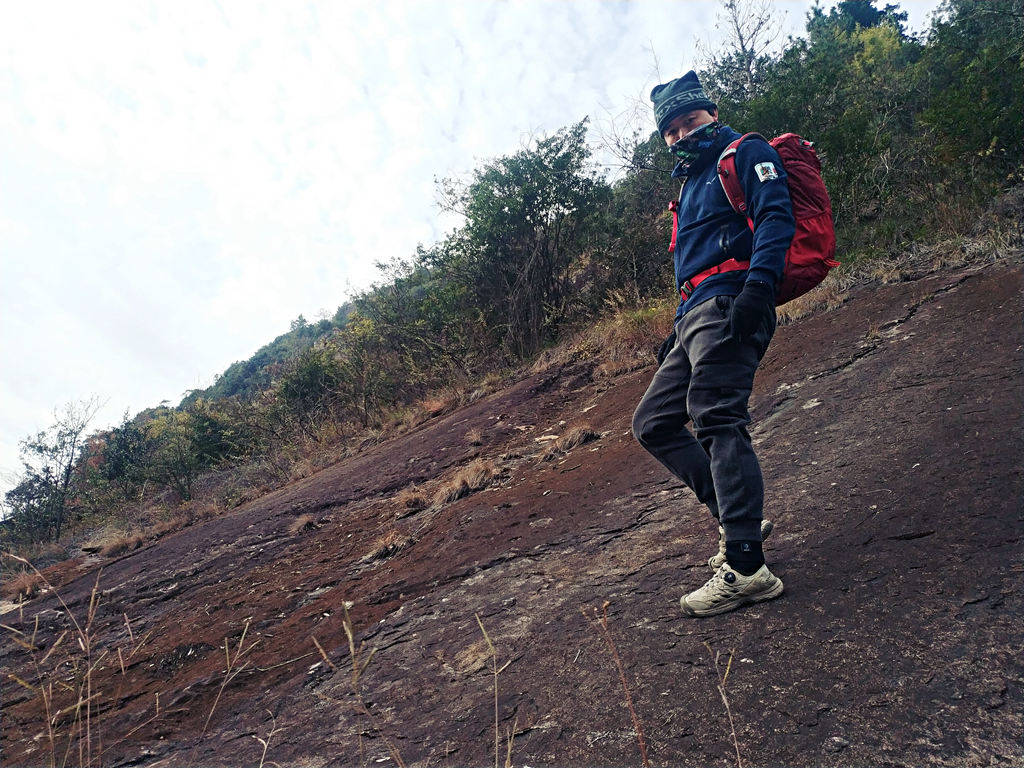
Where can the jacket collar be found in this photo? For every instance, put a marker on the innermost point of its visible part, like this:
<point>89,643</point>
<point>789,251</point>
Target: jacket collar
<point>725,137</point>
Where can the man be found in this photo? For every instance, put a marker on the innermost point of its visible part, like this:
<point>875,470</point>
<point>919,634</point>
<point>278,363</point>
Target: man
<point>726,272</point>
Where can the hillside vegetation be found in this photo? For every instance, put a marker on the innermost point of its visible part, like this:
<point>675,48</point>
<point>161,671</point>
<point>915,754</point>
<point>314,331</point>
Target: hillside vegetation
<point>917,135</point>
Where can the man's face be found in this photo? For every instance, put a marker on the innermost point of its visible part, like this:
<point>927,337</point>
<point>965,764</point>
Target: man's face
<point>686,122</point>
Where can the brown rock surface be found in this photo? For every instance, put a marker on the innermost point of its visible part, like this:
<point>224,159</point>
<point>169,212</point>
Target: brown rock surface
<point>889,431</point>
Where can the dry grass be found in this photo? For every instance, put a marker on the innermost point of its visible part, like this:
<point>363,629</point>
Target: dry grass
<point>41,554</point>
<point>601,620</point>
<point>125,542</point>
<point>182,517</point>
<point>371,436</point>
<point>172,524</point>
<point>48,552</point>
<point>63,677</point>
<point>475,437</point>
<point>438,403</point>
<point>301,469</point>
<point>360,659</point>
<point>24,586</point>
<point>411,499</point>
<point>995,238</point>
<point>388,545</point>
<point>78,699</point>
<point>609,369</point>
<point>578,434</point>
<point>201,509</point>
<point>469,479</point>
<point>490,383</point>
<point>235,666</point>
<point>301,524</point>
<point>828,296</point>
<point>496,671</point>
<point>315,456</point>
<point>400,420</point>
<point>626,340</point>
<point>722,680</point>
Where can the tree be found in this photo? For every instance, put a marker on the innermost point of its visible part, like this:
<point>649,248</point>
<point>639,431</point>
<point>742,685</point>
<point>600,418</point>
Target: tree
<point>173,458</point>
<point>973,72</point>
<point>40,502</point>
<point>120,459</point>
<point>849,15</point>
<point>309,384</point>
<point>638,265</point>
<point>737,71</point>
<point>529,217</point>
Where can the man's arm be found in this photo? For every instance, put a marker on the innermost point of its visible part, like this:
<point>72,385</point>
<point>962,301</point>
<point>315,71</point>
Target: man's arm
<point>771,212</point>
<point>768,206</point>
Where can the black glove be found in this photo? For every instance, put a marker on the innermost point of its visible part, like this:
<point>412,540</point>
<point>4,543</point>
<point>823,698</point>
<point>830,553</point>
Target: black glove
<point>666,346</point>
<point>751,307</point>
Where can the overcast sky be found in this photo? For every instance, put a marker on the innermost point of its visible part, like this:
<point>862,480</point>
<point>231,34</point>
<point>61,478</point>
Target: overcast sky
<point>179,180</point>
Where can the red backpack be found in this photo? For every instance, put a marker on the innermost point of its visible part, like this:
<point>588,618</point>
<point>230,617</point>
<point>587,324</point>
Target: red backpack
<point>810,254</point>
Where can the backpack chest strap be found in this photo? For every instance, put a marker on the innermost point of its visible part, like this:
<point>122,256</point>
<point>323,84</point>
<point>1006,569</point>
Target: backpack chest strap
<point>731,265</point>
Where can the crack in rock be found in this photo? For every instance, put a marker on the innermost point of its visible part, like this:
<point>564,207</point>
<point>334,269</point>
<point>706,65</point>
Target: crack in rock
<point>873,346</point>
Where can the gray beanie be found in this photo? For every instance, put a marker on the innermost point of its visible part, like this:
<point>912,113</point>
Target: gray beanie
<point>677,97</point>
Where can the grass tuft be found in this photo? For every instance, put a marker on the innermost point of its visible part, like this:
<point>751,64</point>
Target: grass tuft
<point>125,542</point>
<point>24,586</point>
<point>576,435</point>
<point>435,405</point>
<point>469,479</point>
<point>301,524</point>
<point>391,543</point>
<point>411,499</point>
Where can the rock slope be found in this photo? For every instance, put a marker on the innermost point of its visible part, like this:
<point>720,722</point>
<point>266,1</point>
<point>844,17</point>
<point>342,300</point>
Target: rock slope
<point>890,437</point>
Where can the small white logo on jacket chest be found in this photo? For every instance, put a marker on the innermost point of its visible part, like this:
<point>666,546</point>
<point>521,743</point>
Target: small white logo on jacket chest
<point>766,171</point>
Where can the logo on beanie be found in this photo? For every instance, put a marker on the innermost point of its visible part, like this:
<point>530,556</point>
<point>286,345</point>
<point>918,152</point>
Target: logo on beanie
<point>685,97</point>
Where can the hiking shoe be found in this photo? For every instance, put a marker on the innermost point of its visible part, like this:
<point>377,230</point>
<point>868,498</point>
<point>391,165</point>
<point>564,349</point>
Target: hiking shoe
<point>717,561</point>
<point>729,589</point>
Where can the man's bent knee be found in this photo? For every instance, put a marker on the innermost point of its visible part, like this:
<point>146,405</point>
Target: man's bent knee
<point>641,425</point>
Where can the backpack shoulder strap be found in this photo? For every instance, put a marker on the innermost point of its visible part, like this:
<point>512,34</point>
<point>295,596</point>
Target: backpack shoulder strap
<point>730,178</point>
<point>674,208</point>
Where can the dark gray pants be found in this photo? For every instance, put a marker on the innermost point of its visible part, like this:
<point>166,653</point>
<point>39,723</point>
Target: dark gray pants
<point>707,377</point>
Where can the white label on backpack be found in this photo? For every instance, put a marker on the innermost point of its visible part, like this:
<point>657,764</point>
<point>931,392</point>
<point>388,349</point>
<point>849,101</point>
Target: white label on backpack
<point>766,171</point>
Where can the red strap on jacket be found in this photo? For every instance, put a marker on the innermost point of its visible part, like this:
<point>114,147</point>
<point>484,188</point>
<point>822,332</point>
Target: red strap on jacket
<point>730,179</point>
<point>674,207</point>
<point>732,265</point>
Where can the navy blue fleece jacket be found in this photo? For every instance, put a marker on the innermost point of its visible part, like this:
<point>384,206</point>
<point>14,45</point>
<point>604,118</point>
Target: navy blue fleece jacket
<point>711,232</point>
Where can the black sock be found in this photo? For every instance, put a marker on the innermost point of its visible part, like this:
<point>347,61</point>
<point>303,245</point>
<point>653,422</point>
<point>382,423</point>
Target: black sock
<point>744,556</point>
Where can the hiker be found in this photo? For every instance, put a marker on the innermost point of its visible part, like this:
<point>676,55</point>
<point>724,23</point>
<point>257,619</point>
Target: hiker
<point>725,320</point>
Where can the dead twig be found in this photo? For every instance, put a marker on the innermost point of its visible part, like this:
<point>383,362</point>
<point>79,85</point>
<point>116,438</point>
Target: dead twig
<point>496,672</point>
<point>722,678</point>
<point>359,665</point>
<point>637,726</point>
<point>266,742</point>
<point>230,673</point>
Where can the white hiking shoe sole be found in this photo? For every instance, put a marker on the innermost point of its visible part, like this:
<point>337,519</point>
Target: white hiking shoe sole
<point>729,589</point>
<point>718,560</point>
